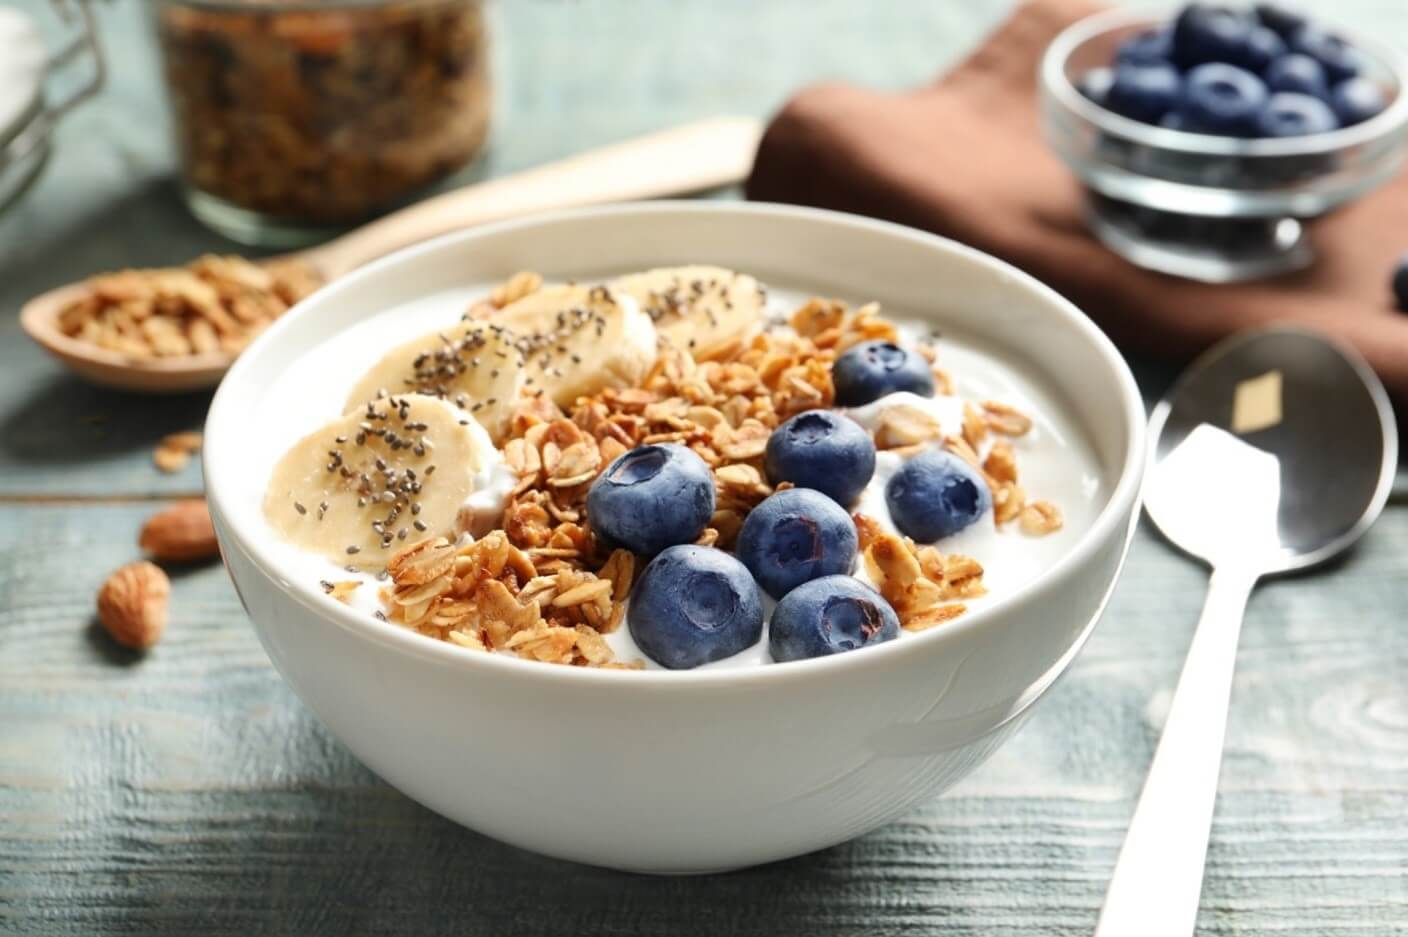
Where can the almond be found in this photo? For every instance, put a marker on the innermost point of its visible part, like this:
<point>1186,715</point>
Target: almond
<point>181,533</point>
<point>170,460</point>
<point>132,605</point>
<point>174,451</point>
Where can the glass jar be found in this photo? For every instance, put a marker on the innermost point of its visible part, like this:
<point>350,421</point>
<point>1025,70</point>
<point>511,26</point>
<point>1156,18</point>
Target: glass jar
<point>294,120</point>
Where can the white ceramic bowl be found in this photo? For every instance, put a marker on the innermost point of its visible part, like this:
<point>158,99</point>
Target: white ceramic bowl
<point>690,771</point>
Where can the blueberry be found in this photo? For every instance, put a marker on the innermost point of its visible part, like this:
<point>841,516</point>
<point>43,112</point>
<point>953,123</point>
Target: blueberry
<point>870,370</point>
<point>694,605</point>
<point>1278,19</point>
<point>1222,99</point>
<point>1339,59</point>
<point>1357,100</point>
<point>1146,48</point>
<point>823,450</point>
<point>796,535</point>
<point>828,616</point>
<point>1095,84</point>
<point>935,495</point>
<point>1204,33</point>
<point>1295,115</point>
<point>651,498</point>
<point>1144,92</point>
<point>1400,283</point>
<point>1263,48</point>
<point>1299,74</point>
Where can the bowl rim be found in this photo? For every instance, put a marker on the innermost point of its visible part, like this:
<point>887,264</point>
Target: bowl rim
<point>1055,82</point>
<point>1114,521</point>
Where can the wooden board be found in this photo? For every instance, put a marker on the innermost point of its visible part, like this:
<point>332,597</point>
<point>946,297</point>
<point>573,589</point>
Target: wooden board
<point>190,792</point>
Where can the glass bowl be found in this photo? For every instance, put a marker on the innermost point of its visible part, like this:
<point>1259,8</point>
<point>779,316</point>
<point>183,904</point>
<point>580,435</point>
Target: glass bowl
<point>1218,209</point>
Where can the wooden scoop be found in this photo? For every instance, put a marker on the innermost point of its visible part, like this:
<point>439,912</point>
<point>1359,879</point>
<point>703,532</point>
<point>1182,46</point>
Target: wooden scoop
<point>693,158</point>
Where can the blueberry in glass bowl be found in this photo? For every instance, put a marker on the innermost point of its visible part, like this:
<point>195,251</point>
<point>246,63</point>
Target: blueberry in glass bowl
<point>1297,74</point>
<point>1356,100</point>
<point>1149,48</point>
<point>1288,114</point>
<point>1399,282</point>
<point>1146,92</point>
<point>1339,57</point>
<point>1222,100</point>
<point>1283,21</point>
<point>1203,33</point>
<point>1222,184</point>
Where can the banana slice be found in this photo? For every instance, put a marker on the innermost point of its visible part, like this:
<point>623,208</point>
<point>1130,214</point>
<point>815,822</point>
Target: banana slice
<point>698,308</point>
<point>578,340</point>
<point>474,364</point>
<point>396,471</point>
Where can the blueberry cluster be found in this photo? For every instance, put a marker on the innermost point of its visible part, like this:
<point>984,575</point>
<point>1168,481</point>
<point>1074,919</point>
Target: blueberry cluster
<point>693,605</point>
<point>1265,73</point>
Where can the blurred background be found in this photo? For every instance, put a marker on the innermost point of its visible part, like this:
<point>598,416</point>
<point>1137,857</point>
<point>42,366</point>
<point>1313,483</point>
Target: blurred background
<point>283,831</point>
<point>567,75</point>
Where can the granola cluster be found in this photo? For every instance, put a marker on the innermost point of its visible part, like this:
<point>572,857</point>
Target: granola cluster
<point>544,587</point>
<point>491,595</point>
<point>921,584</point>
<point>324,114</point>
<point>216,304</point>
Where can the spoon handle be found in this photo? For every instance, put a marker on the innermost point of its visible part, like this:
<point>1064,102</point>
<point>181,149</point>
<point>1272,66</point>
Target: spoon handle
<point>689,158</point>
<point>1159,876</point>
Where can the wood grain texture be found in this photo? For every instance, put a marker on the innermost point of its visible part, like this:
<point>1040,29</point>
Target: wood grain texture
<point>188,791</point>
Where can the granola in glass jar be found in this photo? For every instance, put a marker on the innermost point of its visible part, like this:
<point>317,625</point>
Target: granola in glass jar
<point>291,116</point>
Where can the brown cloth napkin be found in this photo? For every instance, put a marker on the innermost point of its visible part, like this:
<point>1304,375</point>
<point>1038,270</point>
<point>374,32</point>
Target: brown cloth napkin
<point>965,158</point>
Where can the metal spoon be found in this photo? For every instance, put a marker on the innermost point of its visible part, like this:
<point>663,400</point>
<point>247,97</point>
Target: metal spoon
<point>1274,452</point>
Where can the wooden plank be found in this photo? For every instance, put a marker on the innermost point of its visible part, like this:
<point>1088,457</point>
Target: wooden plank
<point>190,790</point>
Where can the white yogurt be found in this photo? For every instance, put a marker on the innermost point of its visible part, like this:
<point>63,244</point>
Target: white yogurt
<point>1055,462</point>
<point>481,512</point>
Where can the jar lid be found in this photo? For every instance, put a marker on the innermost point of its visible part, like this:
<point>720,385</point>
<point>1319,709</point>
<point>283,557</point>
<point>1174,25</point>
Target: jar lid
<point>22,58</point>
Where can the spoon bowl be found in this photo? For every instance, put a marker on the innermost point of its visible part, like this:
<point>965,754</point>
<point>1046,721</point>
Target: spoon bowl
<point>1314,406</point>
<point>40,320</point>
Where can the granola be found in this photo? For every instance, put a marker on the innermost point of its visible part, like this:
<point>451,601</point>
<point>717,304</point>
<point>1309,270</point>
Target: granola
<point>541,584</point>
<point>214,305</point>
<point>324,116</point>
<point>490,595</point>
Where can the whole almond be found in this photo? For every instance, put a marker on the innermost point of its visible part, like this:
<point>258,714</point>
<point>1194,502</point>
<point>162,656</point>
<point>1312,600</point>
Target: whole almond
<point>182,533</point>
<point>132,605</point>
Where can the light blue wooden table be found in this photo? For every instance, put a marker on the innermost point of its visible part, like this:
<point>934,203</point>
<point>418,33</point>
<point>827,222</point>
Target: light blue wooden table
<point>189,791</point>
